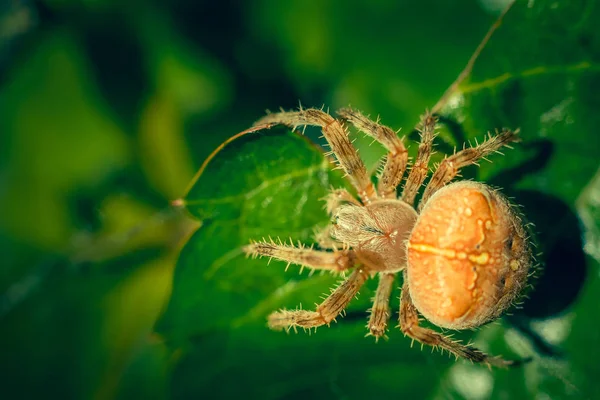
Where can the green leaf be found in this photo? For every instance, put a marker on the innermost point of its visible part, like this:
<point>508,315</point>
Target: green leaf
<point>336,362</point>
<point>540,73</point>
<point>258,185</point>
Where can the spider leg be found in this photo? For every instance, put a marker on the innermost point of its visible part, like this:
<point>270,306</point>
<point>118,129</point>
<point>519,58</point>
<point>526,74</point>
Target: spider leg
<point>397,156</point>
<point>337,137</point>
<point>325,240</point>
<point>336,197</point>
<point>450,166</point>
<point>380,312</point>
<point>335,261</point>
<point>327,311</point>
<point>409,324</point>
<point>420,168</point>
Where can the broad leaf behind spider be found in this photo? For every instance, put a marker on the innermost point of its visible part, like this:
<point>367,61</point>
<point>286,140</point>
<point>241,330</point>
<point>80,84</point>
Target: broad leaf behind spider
<point>254,183</point>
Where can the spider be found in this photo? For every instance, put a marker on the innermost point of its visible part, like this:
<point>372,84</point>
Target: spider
<point>462,249</point>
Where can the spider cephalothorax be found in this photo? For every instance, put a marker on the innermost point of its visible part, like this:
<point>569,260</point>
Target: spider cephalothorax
<point>462,249</point>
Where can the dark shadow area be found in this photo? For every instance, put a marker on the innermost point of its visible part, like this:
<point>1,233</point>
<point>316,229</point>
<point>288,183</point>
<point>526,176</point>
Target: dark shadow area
<point>204,24</point>
<point>457,133</point>
<point>118,63</point>
<point>216,28</point>
<point>561,272</point>
<point>557,235</point>
<point>523,325</point>
<point>507,178</point>
<point>562,269</point>
<point>441,146</point>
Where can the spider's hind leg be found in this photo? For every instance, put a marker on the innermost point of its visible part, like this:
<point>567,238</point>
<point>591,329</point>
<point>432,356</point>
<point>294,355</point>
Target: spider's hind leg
<point>397,157</point>
<point>409,323</point>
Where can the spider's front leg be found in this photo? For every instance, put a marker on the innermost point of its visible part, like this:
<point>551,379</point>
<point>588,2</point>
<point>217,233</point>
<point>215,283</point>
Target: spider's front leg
<point>409,324</point>
<point>337,138</point>
<point>325,312</point>
<point>397,157</point>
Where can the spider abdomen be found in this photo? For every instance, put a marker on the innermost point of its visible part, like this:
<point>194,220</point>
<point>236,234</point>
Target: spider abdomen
<point>468,257</point>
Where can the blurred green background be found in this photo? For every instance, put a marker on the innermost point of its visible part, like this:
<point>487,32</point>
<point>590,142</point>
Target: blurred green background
<point>108,108</point>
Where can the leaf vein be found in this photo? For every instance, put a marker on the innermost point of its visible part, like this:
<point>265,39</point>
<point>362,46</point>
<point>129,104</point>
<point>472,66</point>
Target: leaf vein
<point>531,72</point>
<point>264,185</point>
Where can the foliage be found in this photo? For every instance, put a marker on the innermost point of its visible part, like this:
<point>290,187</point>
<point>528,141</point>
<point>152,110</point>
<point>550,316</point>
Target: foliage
<point>104,122</point>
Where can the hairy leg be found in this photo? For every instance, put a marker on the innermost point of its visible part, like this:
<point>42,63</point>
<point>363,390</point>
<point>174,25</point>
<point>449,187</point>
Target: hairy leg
<point>397,156</point>
<point>409,323</point>
<point>337,197</point>
<point>380,312</point>
<point>450,166</point>
<point>337,137</point>
<point>325,240</point>
<point>335,261</point>
<point>327,311</point>
<point>420,168</point>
